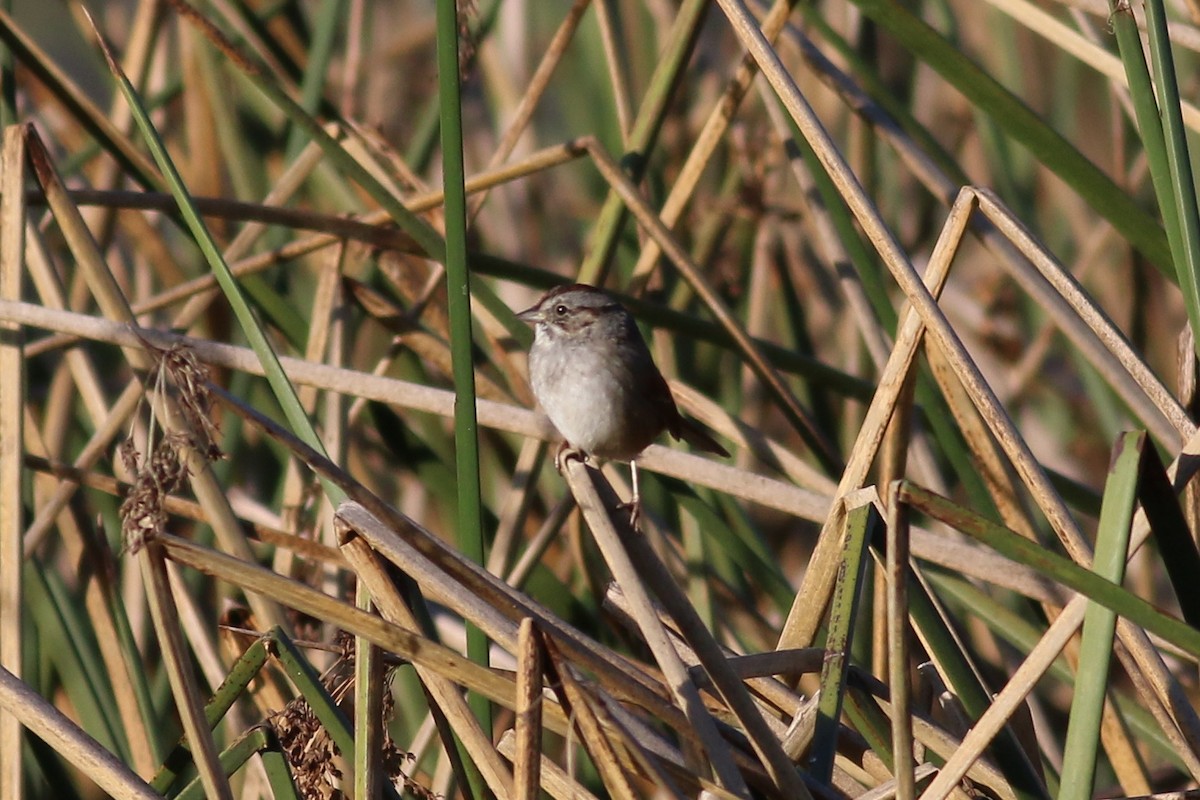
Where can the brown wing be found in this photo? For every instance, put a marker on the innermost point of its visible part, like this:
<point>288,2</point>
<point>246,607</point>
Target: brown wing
<point>664,404</point>
<point>683,428</point>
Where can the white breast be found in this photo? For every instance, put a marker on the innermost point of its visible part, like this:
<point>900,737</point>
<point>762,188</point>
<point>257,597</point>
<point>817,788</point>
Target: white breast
<point>581,395</point>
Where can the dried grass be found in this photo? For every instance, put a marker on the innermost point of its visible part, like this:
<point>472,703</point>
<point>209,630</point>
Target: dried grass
<point>850,310</point>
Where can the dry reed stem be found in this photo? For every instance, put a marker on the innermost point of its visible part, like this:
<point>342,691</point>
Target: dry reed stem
<point>109,424</point>
<point>1098,344</point>
<point>1161,692</point>
<point>1163,716</point>
<point>534,91</point>
<point>97,447</point>
<point>1071,42</point>
<point>771,695</point>
<point>610,716</point>
<point>448,697</point>
<point>93,562</point>
<point>366,229</point>
<point>434,582</point>
<point>206,649</point>
<point>898,650</point>
<point>137,58</point>
<point>1066,291</point>
<point>937,740</point>
<point>527,727</point>
<point>768,449</point>
<point>540,542</point>
<point>12,404</point>
<point>942,334</point>
<point>115,306</point>
<point>616,603</point>
<point>579,708</point>
<point>557,783</point>
<point>326,300</point>
<point>257,580</point>
<point>1167,426</point>
<point>85,378</point>
<point>993,470</point>
<point>892,789</point>
<point>622,548</point>
<point>515,506</point>
<point>177,662</point>
<point>627,677</point>
<point>657,458</point>
<point>804,617</point>
<point>498,617</point>
<point>66,738</point>
<point>710,136</point>
<point>75,99</point>
<point>1013,694</point>
<point>711,656</point>
<point>406,644</point>
<point>581,479</point>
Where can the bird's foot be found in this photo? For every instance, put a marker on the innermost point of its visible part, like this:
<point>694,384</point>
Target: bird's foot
<point>565,452</point>
<point>634,507</point>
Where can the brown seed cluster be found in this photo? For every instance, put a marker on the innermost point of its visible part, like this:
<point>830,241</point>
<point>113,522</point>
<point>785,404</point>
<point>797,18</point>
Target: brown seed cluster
<point>310,751</point>
<point>185,379</point>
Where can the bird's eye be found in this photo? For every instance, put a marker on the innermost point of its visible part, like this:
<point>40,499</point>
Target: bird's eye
<point>560,309</point>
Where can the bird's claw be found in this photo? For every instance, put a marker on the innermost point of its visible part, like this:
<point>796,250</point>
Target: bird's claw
<point>635,511</point>
<point>566,451</point>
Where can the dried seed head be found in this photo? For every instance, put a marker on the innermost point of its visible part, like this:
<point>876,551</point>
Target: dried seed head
<point>311,752</point>
<point>143,513</point>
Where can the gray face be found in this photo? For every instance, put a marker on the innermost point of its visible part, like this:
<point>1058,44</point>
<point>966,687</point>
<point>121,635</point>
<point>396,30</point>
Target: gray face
<point>571,311</point>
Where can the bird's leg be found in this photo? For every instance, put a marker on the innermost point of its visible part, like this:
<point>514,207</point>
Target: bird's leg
<point>635,504</point>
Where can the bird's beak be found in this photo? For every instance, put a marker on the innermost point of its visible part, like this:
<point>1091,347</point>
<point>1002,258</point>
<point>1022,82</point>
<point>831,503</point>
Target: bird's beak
<point>531,315</point>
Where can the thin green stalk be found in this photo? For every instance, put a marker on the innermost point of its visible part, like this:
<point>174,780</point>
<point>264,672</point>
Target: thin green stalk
<point>1141,93</point>
<point>1171,533</point>
<point>232,759</point>
<point>1099,623</point>
<point>1059,568</point>
<point>1183,186</point>
<point>861,524</point>
<point>416,227</point>
<point>644,135</point>
<point>284,392</point>
<point>458,292</point>
<point>278,775</point>
<point>320,54</point>
<point>1023,125</point>
<point>957,669</point>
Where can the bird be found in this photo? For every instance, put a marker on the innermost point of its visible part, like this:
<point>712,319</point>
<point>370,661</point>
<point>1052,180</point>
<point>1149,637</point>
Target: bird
<point>594,377</point>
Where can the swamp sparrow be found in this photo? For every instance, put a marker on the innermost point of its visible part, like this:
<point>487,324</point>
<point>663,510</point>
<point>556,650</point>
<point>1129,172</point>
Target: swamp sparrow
<point>593,375</point>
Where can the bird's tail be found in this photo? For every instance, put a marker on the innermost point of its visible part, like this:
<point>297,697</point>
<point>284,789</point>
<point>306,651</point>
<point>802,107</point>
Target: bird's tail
<point>699,437</point>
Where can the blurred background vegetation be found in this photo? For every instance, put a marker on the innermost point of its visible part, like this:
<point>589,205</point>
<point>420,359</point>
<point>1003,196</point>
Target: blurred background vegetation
<point>308,134</point>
